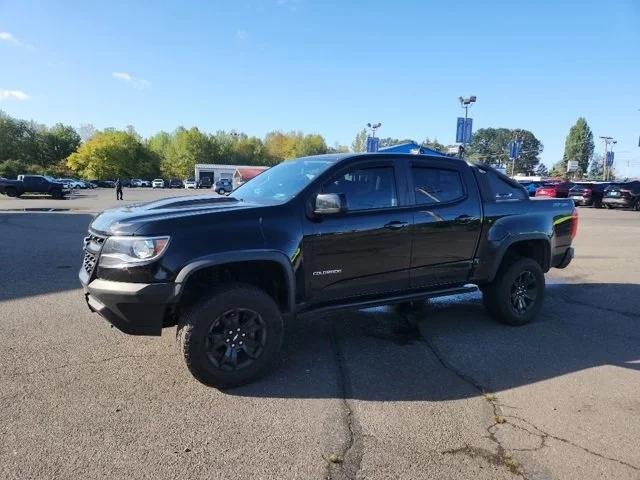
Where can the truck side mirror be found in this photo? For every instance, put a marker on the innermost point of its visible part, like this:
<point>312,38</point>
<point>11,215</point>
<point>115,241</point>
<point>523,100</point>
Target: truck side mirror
<point>330,204</point>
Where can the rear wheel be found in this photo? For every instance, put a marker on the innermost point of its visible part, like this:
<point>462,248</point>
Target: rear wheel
<point>636,206</point>
<point>233,337</point>
<point>517,293</point>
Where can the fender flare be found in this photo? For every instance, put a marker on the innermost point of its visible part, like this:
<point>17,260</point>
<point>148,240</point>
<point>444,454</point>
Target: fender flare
<point>511,240</point>
<point>243,256</point>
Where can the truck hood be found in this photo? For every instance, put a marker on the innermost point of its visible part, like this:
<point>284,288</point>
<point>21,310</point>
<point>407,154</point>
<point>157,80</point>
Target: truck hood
<point>126,220</point>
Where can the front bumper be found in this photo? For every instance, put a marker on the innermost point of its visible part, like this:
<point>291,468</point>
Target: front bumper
<point>133,308</point>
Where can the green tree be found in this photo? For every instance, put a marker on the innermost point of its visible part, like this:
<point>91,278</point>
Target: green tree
<point>187,147</point>
<point>310,144</point>
<point>113,154</point>
<point>491,146</point>
<point>337,148</point>
<point>596,168</point>
<point>579,145</point>
<point>559,170</point>
<point>434,145</point>
<point>359,143</point>
<point>542,170</point>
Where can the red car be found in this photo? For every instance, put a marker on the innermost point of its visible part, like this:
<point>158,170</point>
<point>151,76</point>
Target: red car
<point>554,189</point>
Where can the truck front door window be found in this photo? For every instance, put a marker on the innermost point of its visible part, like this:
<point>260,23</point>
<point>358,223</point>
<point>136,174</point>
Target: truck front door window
<point>366,188</point>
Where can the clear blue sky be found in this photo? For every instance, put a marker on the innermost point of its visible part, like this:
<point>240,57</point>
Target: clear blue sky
<point>328,66</point>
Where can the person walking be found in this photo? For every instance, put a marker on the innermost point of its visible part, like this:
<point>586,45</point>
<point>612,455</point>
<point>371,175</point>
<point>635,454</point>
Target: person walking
<point>118,189</point>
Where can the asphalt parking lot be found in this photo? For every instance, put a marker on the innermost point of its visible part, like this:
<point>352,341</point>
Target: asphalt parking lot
<point>92,201</point>
<point>357,395</point>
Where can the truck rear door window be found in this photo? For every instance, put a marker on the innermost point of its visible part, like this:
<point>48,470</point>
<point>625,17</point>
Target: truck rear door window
<point>436,185</point>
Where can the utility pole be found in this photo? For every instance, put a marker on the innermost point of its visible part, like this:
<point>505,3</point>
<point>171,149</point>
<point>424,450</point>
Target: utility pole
<point>607,141</point>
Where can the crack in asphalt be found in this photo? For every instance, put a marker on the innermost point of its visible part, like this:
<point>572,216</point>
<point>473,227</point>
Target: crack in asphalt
<point>543,435</point>
<point>348,462</point>
<point>571,301</point>
<point>499,419</point>
<point>88,362</point>
<point>501,456</point>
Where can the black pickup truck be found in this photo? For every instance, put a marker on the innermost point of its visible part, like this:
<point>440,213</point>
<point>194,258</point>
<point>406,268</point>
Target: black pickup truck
<point>33,184</point>
<point>317,234</point>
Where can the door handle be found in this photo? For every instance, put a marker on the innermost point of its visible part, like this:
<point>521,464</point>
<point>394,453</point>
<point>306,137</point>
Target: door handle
<point>464,219</point>
<point>396,225</point>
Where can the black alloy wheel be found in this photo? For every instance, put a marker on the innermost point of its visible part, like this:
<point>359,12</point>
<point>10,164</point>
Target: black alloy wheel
<point>236,339</point>
<point>232,336</point>
<point>524,292</point>
<point>516,294</point>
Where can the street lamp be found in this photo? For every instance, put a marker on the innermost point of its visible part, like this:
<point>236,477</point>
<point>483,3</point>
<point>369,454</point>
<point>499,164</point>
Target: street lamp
<point>607,141</point>
<point>465,102</point>
<point>374,127</point>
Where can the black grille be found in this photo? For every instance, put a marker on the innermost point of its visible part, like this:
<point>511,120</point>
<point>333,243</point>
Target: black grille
<point>92,246</point>
<point>89,262</point>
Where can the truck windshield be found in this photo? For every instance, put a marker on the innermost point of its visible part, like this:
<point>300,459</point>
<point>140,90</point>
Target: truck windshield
<point>282,182</point>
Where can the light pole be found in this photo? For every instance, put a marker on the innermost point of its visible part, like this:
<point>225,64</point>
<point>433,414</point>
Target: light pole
<point>374,127</point>
<point>607,141</point>
<point>465,102</point>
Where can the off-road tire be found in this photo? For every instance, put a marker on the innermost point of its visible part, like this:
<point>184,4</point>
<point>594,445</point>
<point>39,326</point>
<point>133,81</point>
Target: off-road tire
<point>57,194</point>
<point>12,192</point>
<point>194,330</point>
<point>497,296</point>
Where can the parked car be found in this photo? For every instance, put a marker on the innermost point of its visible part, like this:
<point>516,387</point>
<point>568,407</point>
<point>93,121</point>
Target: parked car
<point>205,182</point>
<point>554,189</point>
<point>223,186</point>
<point>157,183</point>
<point>588,193</point>
<point>190,183</point>
<point>176,183</point>
<point>71,183</point>
<point>623,194</point>
<point>530,187</point>
<point>136,182</point>
<point>145,183</point>
<point>34,184</point>
<point>317,234</point>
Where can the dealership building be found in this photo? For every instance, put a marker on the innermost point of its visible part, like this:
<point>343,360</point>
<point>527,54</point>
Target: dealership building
<point>237,174</point>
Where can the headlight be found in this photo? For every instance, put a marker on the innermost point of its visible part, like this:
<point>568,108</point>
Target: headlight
<point>127,251</point>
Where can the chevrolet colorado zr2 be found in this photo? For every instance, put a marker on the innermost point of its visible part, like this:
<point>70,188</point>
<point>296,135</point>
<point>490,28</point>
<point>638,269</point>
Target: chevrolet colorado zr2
<point>317,234</point>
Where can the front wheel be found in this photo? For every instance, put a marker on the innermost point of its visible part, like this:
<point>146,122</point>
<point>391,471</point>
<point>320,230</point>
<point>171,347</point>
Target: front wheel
<point>233,337</point>
<point>516,295</point>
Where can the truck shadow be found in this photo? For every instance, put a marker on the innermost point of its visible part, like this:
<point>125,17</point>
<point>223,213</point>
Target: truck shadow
<point>456,350</point>
<point>40,253</point>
